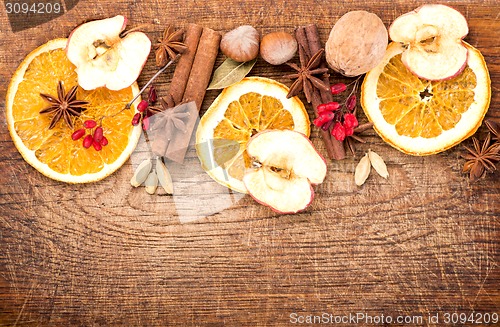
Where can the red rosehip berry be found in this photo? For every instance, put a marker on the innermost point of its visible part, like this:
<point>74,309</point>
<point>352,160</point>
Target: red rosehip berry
<point>318,122</point>
<point>97,146</point>
<point>332,106</point>
<point>327,115</point>
<point>78,134</point>
<point>152,95</point>
<point>327,126</point>
<point>350,121</point>
<point>143,105</point>
<point>89,124</point>
<point>136,119</point>
<point>338,131</point>
<point>338,88</point>
<point>87,141</point>
<point>325,107</point>
<point>321,108</point>
<point>349,131</point>
<point>324,118</point>
<point>104,141</point>
<point>351,103</point>
<point>98,134</point>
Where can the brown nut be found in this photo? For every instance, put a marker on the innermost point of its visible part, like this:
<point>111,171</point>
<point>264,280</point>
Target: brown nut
<point>278,47</point>
<point>356,44</point>
<point>241,44</point>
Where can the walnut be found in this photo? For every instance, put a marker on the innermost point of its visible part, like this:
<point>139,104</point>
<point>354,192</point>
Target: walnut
<point>357,43</point>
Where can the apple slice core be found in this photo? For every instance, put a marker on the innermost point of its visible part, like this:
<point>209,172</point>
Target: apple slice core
<point>103,58</point>
<point>285,164</point>
<point>429,65</point>
<point>433,36</point>
<point>293,196</point>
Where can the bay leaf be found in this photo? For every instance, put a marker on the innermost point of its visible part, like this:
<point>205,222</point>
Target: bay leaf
<point>229,73</point>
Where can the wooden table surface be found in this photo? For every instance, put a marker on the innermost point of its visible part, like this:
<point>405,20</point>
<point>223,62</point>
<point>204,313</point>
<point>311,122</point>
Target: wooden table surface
<point>423,242</point>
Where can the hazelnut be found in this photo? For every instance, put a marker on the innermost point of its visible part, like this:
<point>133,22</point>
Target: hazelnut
<point>241,44</point>
<point>278,47</point>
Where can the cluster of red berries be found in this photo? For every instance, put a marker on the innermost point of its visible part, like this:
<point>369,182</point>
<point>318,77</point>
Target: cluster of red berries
<point>94,138</point>
<point>341,117</point>
<point>143,106</point>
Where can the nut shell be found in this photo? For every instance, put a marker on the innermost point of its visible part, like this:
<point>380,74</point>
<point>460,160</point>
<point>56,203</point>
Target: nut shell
<point>357,43</point>
<point>278,47</point>
<point>241,44</point>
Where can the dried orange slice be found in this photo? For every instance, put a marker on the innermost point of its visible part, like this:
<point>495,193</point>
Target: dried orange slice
<point>52,151</point>
<point>239,112</point>
<point>421,117</point>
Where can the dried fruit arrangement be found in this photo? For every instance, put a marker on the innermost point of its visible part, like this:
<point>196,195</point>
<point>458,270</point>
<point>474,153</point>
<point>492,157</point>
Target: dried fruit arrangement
<point>75,112</point>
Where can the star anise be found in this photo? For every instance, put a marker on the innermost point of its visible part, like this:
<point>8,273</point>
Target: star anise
<point>304,78</point>
<point>64,106</point>
<point>165,103</point>
<point>494,129</point>
<point>171,117</point>
<point>169,46</point>
<point>481,158</point>
<point>175,119</point>
<point>351,139</point>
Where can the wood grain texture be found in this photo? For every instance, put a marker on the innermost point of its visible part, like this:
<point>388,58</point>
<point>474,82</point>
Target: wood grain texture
<point>423,241</point>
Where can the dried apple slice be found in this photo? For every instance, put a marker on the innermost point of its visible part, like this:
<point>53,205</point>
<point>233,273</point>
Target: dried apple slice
<point>433,36</point>
<point>285,164</point>
<point>103,58</point>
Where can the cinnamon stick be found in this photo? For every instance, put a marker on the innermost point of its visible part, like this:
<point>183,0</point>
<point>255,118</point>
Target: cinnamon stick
<point>183,67</point>
<point>300,34</point>
<point>195,88</point>
<point>202,67</point>
<point>325,134</point>
<point>314,43</point>
<point>308,38</point>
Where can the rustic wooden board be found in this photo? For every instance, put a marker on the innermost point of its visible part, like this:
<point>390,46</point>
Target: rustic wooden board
<point>425,241</point>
